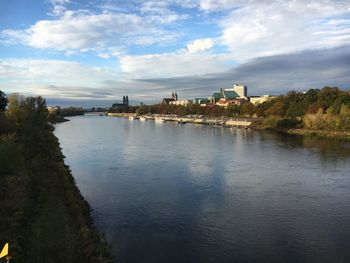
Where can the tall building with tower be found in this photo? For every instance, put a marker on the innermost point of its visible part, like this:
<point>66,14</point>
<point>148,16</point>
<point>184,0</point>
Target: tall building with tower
<point>168,100</point>
<point>240,89</point>
<point>126,100</point>
<point>124,104</point>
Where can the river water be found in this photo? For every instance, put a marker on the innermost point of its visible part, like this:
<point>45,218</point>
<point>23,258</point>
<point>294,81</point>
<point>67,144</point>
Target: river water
<point>163,192</point>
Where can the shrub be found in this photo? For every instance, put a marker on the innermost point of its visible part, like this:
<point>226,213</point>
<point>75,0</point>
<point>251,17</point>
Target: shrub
<point>271,122</point>
<point>287,123</point>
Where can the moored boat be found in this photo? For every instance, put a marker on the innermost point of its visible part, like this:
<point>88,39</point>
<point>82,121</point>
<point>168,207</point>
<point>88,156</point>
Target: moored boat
<point>159,119</point>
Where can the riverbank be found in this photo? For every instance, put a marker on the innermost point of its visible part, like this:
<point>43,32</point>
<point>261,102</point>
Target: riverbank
<point>44,217</point>
<point>320,133</point>
<point>57,119</point>
<point>57,115</point>
<point>243,122</point>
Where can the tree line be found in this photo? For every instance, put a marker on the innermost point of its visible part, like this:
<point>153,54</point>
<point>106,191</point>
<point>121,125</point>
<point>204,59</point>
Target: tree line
<point>316,109</point>
<point>327,108</point>
<point>43,215</point>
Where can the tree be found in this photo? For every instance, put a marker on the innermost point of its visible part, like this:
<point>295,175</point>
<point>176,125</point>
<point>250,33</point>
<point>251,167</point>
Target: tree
<point>3,101</point>
<point>13,109</point>
<point>278,108</point>
<point>247,109</point>
<point>35,111</point>
<point>296,109</point>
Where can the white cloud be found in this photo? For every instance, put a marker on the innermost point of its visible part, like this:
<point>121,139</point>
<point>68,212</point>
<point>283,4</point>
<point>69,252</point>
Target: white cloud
<point>249,28</point>
<point>104,55</point>
<point>213,5</point>
<point>150,78</point>
<point>58,7</point>
<point>260,29</point>
<point>59,2</point>
<point>156,7</point>
<point>83,31</point>
<point>160,12</point>
<point>171,64</point>
<point>42,76</point>
<point>200,45</point>
<point>72,80</point>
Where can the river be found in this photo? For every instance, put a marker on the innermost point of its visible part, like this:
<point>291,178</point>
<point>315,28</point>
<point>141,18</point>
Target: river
<point>164,192</point>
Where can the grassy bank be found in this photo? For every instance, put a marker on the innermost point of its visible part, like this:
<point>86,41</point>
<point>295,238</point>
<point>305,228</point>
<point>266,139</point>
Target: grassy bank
<point>43,215</point>
<point>297,127</point>
<point>320,133</point>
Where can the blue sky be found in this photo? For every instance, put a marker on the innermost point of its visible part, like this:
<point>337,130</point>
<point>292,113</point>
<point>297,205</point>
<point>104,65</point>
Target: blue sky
<point>93,52</point>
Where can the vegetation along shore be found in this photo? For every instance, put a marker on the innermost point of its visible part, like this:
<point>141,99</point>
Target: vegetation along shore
<point>44,217</point>
<point>322,112</point>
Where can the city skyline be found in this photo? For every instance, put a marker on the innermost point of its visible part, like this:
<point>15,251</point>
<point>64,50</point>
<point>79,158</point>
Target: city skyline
<point>92,53</point>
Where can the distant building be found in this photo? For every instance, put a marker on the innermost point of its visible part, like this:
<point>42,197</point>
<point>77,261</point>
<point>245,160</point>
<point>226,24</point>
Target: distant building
<point>241,90</point>
<point>224,94</point>
<point>202,101</point>
<point>225,103</point>
<point>168,100</point>
<point>233,96</point>
<point>123,105</point>
<point>260,99</point>
<point>180,102</point>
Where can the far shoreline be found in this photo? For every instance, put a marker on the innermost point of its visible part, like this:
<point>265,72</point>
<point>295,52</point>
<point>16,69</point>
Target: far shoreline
<point>254,125</point>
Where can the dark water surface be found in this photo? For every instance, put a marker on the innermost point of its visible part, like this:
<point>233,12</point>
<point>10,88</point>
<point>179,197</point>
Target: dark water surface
<point>185,193</point>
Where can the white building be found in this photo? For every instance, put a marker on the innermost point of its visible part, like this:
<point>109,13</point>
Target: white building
<point>180,102</point>
<point>260,99</point>
<point>240,89</point>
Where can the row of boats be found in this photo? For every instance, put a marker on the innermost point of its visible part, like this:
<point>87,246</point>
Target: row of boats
<point>144,118</point>
<point>195,120</point>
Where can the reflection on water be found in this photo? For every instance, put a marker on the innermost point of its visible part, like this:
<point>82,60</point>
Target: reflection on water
<point>163,192</point>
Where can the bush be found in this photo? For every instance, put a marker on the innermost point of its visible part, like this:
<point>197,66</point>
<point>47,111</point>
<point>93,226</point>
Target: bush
<point>274,122</point>
<point>315,121</point>
<point>271,122</point>
<point>329,120</point>
<point>288,123</point>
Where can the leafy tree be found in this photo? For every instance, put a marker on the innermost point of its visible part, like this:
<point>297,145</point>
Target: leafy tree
<point>314,108</point>
<point>345,110</point>
<point>3,101</point>
<point>311,96</point>
<point>233,110</point>
<point>14,107</point>
<point>296,109</point>
<point>278,108</point>
<point>247,109</point>
<point>34,111</point>
<point>328,95</point>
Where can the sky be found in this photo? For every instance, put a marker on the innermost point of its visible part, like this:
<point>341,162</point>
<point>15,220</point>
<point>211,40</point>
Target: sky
<point>92,52</point>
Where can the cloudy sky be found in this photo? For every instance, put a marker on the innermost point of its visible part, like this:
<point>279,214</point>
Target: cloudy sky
<point>91,52</point>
